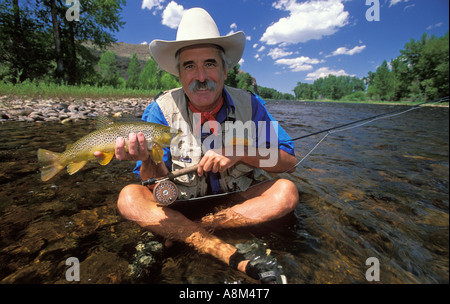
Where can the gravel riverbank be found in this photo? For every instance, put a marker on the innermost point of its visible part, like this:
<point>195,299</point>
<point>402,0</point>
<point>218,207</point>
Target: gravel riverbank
<point>70,109</point>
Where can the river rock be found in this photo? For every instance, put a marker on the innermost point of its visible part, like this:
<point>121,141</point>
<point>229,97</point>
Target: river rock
<point>57,109</point>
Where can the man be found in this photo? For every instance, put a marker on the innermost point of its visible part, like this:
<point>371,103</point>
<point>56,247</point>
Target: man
<point>201,57</point>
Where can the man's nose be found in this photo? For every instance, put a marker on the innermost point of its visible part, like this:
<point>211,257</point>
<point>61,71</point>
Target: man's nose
<point>201,74</point>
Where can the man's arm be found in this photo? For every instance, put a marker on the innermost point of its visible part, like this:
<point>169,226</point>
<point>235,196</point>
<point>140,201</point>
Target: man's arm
<point>218,161</point>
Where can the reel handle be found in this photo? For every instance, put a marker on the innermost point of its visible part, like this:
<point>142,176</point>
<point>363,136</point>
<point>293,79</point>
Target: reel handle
<point>181,172</point>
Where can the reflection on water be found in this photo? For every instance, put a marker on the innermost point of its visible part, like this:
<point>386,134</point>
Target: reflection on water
<point>376,191</point>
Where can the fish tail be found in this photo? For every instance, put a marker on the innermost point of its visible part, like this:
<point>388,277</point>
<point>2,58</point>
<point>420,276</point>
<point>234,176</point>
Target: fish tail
<point>50,164</point>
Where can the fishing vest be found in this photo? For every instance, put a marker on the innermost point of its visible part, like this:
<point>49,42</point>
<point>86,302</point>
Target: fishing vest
<point>187,151</point>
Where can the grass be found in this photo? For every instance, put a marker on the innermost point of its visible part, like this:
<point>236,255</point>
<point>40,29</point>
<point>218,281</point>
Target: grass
<point>48,91</point>
<point>376,102</point>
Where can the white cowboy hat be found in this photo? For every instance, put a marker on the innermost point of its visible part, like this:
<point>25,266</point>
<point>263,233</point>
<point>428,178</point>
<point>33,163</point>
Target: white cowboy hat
<point>196,27</point>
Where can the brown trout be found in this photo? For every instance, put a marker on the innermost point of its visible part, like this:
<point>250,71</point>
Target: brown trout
<point>103,139</point>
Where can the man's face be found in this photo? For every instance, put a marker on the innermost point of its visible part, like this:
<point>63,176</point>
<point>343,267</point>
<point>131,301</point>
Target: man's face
<point>200,68</point>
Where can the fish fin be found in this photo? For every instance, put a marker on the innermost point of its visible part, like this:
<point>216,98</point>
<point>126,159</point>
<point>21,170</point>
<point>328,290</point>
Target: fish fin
<point>104,121</point>
<point>49,162</point>
<point>157,153</point>
<point>106,159</point>
<point>74,167</point>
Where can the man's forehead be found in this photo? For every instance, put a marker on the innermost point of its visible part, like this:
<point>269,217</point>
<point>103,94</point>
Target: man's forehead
<point>207,48</point>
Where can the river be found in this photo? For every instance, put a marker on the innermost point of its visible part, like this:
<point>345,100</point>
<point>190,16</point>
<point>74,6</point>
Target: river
<point>373,206</point>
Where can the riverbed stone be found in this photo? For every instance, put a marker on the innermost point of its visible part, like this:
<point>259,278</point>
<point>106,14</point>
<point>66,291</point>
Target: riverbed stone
<point>52,110</point>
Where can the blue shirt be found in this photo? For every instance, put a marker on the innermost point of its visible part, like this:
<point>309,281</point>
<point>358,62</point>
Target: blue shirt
<point>154,114</point>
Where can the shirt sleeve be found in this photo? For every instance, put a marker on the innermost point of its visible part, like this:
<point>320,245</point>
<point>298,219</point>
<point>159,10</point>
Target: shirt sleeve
<point>154,114</point>
<point>260,114</point>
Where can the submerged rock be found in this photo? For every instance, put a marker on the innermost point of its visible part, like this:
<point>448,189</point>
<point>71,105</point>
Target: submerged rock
<point>148,253</point>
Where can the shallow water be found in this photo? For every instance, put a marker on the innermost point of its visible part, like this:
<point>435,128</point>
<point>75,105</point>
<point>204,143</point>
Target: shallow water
<point>380,191</point>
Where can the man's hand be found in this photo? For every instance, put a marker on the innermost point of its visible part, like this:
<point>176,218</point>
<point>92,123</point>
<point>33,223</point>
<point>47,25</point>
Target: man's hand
<point>137,148</point>
<point>215,161</point>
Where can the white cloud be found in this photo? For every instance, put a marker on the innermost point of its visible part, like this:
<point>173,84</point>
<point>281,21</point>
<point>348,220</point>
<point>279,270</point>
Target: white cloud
<point>344,51</point>
<point>262,48</point>
<point>241,62</point>
<point>306,21</point>
<point>233,28</point>
<point>435,26</point>
<point>172,15</point>
<point>298,64</point>
<point>144,42</point>
<point>150,4</point>
<point>258,58</point>
<point>394,2</point>
<point>324,72</point>
<point>278,53</point>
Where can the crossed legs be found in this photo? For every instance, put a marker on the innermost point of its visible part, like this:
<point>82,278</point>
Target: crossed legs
<point>263,202</point>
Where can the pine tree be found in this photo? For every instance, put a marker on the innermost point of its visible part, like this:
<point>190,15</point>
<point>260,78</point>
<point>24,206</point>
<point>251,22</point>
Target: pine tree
<point>149,77</point>
<point>108,69</point>
<point>383,83</point>
<point>133,71</point>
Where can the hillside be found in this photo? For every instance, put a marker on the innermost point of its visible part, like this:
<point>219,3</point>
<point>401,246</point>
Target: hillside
<point>123,52</point>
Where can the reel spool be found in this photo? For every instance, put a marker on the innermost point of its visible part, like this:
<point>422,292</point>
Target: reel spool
<point>165,192</point>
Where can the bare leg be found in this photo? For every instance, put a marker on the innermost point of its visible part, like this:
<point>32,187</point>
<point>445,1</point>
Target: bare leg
<point>137,203</point>
<point>264,202</point>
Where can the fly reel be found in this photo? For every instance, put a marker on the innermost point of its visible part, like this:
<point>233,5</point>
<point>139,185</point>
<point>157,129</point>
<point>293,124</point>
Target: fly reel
<point>165,192</point>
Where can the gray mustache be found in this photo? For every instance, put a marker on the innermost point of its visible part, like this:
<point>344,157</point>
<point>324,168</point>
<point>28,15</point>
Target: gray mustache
<point>206,85</point>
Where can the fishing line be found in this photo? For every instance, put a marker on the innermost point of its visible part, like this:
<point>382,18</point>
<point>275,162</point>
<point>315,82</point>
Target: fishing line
<point>360,123</point>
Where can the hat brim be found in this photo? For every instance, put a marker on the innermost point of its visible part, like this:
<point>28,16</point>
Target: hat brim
<point>163,52</point>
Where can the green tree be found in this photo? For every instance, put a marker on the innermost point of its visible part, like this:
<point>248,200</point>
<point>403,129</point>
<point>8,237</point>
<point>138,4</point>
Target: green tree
<point>48,43</point>
<point>427,60</point>
<point>304,91</point>
<point>25,46</point>
<point>232,76</point>
<point>133,71</point>
<point>168,81</point>
<point>244,81</point>
<point>108,69</point>
<point>149,77</point>
<point>402,78</point>
<point>383,83</point>
<point>98,20</point>
<point>434,66</point>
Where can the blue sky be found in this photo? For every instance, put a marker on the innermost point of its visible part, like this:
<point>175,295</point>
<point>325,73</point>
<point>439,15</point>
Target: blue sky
<point>290,41</point>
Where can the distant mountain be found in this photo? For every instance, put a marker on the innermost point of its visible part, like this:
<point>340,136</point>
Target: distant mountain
<point>123,52</point>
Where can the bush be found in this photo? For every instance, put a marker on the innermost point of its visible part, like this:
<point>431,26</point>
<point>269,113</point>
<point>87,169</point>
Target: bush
<point>357,96</point>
